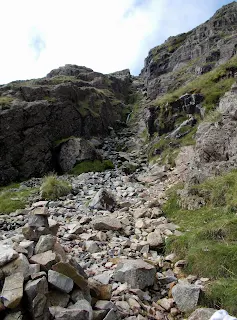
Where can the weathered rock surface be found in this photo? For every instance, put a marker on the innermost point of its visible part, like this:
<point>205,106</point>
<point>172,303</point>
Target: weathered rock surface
<point>137,273</point>
<point>12,291</point>
<point>186,296</point>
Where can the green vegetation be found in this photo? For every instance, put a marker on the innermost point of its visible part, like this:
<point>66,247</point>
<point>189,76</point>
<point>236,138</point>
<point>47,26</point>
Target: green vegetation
<point>61,79</point>
<point>13,198</point>
<point>50,99</point>
<point>58,142</point>
<point>212,85</point>
<point>209,240</point>
<point>5,102</point>
<point>53,188</point>
<point>92,166</point>
<point>170,148</point>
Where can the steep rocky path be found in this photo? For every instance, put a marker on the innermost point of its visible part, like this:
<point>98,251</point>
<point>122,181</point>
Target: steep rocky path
<point>113,226</point>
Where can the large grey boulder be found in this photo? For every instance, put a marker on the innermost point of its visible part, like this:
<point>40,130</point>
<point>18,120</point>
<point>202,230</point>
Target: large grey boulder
<point>45,243</point>
<point>106,223</point>
<point>137,273</point>
<point>60,281</point>
<point>21,264</point>
<point>155,239</point>
<point>73,151</point>
<point>103,200</point>
<point>186,296</point>
<point>81,310</point>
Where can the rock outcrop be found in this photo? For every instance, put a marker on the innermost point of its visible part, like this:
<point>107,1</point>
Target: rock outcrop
<point>184,57</point>
<point>39,114</point>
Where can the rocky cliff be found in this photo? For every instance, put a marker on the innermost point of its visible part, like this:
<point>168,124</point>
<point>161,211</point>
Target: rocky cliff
<point>183,57</point>
<point>37,114</point>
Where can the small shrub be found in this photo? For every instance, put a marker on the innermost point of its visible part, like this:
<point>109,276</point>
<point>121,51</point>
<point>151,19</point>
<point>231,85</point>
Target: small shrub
<point>92,166</point>
<point>53,188</point>
<point>5,102</point>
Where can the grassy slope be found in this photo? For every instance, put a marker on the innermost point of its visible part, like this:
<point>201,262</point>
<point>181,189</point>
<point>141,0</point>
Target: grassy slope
<point>209,240</point>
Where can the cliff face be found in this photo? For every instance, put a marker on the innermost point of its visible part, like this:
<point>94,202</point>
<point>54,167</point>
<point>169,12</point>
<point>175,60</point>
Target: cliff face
<point>35,115</point>
<point>184,57</point>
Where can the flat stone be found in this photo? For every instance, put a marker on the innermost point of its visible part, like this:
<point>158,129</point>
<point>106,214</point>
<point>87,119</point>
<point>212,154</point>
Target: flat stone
<point>105,305</point>
<point>45,243</point>
<point>111,315</point>
<point>40,210</point>
<point>58,299</point>
<point>39,308</point>
<point>21,264</point>
<point>186,296</point>
<point>46,259</point>
<point>12,291</point>
<point>60,281</point>
<point>137,273</point>
<point>70,271</point>
<point>7,254</point>
<point>123,306</point>
<point>202,314</point>
<point>106,223</point>
<point>42,203</point>
<point>81,310</point>
<point>53,226</point>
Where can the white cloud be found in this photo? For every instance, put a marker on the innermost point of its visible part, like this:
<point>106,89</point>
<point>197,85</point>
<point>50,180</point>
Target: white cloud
<point>105,35</point>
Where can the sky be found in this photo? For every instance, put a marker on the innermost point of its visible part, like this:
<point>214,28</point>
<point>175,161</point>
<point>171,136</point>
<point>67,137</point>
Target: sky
<point>105,35</point>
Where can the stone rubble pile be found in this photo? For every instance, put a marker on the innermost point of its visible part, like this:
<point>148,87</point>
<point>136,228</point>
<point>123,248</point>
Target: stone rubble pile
<point>97,253</point>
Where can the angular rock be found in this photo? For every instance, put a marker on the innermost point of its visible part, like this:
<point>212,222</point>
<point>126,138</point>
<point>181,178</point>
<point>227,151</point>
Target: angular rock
<point>53,226</point>
<point>104,305</point>
<point>34,287</point>
<point>155,240</point>
<point>21,264</point>
<point>76,228</point>
<point>99,290</point>
<point>186,296</point>
<point>12,291</point>
<point>39,308</point>
<point>40,210</point>
<point>137,273</point>
<point>7,254</point>
<point>45,243</point>
<point>106,223</point>
<point>70,271</point>
<point>103,200</point>
<point>111,315</point>
<point>34,233</point>
<point>60,281</point>
<point>38,220</point>
<point>202,314</point>
<point>81,310</point>
<point>46,259</point>
<point>29,246</point>
<point>58,299</point>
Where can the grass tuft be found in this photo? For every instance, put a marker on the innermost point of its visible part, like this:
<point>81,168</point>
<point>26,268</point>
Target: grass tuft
<point>92,166</point>
<point>53,188</point>
<point>209,240</point>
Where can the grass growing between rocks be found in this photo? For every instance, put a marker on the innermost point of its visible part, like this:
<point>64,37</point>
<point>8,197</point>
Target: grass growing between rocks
<point>53,188</point>
<point>212,85</point>
<point>12,198</point>
<point>92,166</point>
<point>209,240</point>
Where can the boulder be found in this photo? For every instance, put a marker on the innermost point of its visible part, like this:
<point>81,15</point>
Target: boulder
<point>186,296</point>
<point>58,299</point>
<point>106,223</point>
<point>21,264</point>
<point>12,291</point>
<point>45,243</point>
<point>155,239</point>
<point>70,271</point>
<point>137,273</point>
<point>60,281</point>
<point>81,310</point>
<point>73,151</point>
<point>46,259</point>
<point>7,254</point>
<point>103,200</point>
